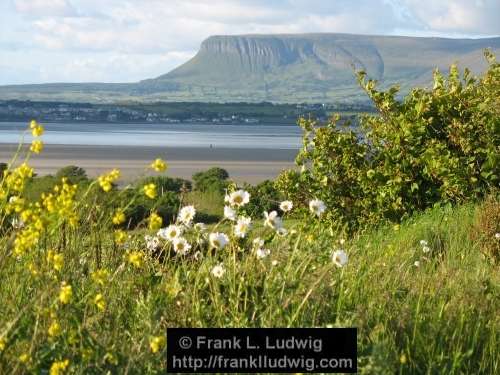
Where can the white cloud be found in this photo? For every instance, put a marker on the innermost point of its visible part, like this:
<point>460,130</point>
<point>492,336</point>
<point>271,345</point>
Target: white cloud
<point>45,7</point>
<point>114,40</point>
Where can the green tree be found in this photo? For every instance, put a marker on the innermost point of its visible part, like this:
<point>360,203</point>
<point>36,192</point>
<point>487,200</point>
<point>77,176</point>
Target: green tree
<point>213,179</point>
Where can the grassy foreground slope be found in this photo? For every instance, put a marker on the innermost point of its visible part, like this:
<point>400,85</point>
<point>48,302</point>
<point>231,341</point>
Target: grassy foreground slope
<point>436,316</point>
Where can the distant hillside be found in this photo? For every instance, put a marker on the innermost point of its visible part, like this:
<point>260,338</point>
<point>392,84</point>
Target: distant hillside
<point>282,68</point>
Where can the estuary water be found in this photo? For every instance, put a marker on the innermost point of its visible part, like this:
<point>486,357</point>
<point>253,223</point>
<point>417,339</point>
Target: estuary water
<point>168,135</point>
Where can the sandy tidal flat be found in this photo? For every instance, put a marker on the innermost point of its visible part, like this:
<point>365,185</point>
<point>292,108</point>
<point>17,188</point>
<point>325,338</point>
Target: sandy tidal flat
<point>249,165</point>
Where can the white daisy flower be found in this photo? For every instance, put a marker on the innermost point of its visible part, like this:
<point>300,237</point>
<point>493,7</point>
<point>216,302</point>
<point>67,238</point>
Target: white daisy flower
<point>198,255</point>
<point>426,249</point>
<point>218,271</point>
<point>229,213</point>
<point>239,198</point>
<point>272,220</point>
<point>423,243</point>
<point>242,226</point>
<point>200,227</point>
<point>317,207</point>
<point>286,206</point>
<point>186,215</point>
<point>152,243</point>
<point>170,233</point>
<point>417,263</point>
<point>497,236</point>
<point>262,253</point>
<point>218,240</point>
<point>181,246</point>
<point>274,262</point>
<point>258,242</point>
<point>339,258</point>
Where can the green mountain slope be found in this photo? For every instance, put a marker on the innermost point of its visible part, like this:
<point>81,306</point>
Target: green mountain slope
<point>283,68</point>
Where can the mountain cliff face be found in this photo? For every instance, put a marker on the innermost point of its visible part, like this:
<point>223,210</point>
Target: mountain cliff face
<point>287,68</point>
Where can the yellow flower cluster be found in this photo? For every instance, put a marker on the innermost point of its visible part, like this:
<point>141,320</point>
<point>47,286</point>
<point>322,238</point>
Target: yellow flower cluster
<point>159,165</point>
<point>100,276</point>
<point>55,260</point>
<point>65,293</point>
<point>135,258</point>
<point>54,329</point>
<point>155,221</point>
<point>100,302</point>
<point>157,343</point>
<point>36,146</point>
<point>106,181</point>
<point>16,179</point>
<point>62,202</point>
<point>36,129</point>
<point>120,237</point>
<point>119,217</point>
<point>150,190</point>
<point>59,367</point>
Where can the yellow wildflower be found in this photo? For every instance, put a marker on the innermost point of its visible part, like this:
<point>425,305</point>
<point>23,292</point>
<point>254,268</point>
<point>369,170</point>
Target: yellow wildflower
<point>65,294</point>
<point>120,237</point>
<point>150,190</point>
<point>3,343</point>
<point>119,217</point>
<point>106,181</point>
<point>157,343</point>
<point>159,165</point>
<point>54,329</point>
<point>59,367</point>
<point>24,358</point>
<point>36,146</point>
<point>55,259</point>
<point>36,128</point>
<point>100,302</point>
<point>155,221</point>
<point>135,258</point>
<point>100,276</point>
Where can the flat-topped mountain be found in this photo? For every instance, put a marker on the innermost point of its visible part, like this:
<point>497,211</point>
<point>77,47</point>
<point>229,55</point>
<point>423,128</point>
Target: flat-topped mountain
<point>284,68</point>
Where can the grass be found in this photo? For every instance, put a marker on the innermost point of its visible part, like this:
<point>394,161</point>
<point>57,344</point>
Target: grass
<point>438,318</point>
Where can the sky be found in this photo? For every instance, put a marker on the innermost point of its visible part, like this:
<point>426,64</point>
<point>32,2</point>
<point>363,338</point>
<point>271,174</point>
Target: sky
<point>130,40</point>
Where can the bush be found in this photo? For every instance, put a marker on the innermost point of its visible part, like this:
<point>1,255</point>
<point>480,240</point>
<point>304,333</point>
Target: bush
<point>439,145</point>
<point>264,197</point>
<point>73,173</point>
<point>213,179</point>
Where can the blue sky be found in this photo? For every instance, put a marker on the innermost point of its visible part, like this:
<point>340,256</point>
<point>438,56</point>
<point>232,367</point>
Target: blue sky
<point>129,40</point>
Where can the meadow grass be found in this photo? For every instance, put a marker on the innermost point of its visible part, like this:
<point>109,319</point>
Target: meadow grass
<point>439,317</point>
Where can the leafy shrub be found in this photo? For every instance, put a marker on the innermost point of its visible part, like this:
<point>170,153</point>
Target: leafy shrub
<point>73,173</point>
<point>486,229</point>
<point>265,197</point>
<point>213,179</point>
<point>438,145</point>
<point>140,207</point>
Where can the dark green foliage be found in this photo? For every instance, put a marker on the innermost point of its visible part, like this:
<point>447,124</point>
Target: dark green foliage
<point>140,207</point>
<point>213,179</point>
<point>439,145</point>
<point>73,173</point>
<point>3,167</point>
<point>264,197</point>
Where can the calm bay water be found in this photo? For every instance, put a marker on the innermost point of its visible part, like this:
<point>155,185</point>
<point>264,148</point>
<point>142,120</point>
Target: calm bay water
<point>172,135</point>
